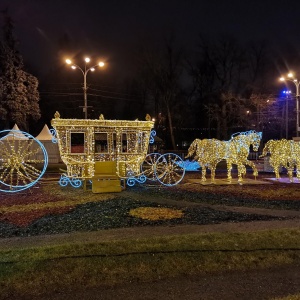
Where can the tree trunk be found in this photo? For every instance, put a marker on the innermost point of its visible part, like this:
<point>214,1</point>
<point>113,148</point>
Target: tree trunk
<point>171,127</point>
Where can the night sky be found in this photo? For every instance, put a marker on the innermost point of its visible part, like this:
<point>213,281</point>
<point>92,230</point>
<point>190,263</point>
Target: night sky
<point>112,29</point>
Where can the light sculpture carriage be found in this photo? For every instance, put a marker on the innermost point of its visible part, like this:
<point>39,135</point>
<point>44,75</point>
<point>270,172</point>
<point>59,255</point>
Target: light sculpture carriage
<point>86,145</point>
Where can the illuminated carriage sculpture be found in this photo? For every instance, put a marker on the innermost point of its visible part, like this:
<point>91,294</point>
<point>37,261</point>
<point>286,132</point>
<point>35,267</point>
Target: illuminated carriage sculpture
<point>110,151</point>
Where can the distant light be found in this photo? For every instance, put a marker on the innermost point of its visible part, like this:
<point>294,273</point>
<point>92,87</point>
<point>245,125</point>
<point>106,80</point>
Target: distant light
<point>87,59</point>
<point>287,92</point>
<point>92,69</point>
<point>101,64</point>
<point>73,67</point>
<point>68,61</point>
<point>282,79</point>
<point>291,75</point>
<point>153,119</point>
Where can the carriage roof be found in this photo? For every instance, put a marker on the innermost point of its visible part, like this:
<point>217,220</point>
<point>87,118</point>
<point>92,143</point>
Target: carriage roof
<point>117,124</point>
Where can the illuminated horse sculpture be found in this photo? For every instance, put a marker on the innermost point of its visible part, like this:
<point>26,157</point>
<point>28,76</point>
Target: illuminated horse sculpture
<point>283,153</point>
<point>209,152</point>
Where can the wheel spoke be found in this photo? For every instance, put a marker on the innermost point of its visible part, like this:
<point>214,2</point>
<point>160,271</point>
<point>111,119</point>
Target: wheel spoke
<point>18,166</point>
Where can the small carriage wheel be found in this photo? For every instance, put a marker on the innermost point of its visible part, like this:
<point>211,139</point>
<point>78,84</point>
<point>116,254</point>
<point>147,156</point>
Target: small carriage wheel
<point>169,169</point>
<point>23,160</point>
<point>148,166</point>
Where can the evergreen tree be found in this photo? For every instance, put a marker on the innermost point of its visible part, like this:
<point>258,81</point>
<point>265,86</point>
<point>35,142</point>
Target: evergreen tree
<point>19,94</point>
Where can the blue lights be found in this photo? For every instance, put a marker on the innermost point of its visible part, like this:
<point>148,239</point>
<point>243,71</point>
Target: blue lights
<point>20,153</point>
<point>132,180</point>
<point>189,165</point>
<point>74,181</point>
<point>152,135</point>
<point>54,136</point>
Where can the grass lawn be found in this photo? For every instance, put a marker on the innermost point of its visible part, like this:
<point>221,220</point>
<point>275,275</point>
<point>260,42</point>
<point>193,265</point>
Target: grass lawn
<point>29,271</point>
<point>32,271</point>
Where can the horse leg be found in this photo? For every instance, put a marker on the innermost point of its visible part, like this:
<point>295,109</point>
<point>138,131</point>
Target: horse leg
<point>297,170</point>
<point>213,173</point>
<point>253,166</point>
<point>276,170</point>
<point>290,173</point>
<point>241,172</point>
<point>203,179</point>
<point>229,168</point>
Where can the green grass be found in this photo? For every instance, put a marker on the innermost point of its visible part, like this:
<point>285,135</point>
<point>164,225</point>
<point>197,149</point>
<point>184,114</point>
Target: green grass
<point>27,271</point>
<point>290,297</point>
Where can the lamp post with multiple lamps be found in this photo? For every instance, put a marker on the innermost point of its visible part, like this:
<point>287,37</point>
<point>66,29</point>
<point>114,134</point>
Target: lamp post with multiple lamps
<point>84,71</point>
<point>290,77</point>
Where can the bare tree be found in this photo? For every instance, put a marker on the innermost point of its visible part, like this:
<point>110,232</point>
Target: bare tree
<point>162,70</point>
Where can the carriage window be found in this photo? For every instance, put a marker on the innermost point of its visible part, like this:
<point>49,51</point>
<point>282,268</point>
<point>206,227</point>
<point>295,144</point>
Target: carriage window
<point>114,142</point>
<point>124,143</point>
<point>101,142</point>
<point>77,142</point>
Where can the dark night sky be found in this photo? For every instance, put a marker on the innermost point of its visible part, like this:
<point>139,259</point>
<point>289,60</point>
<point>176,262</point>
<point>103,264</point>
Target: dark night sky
<point>112,28</point>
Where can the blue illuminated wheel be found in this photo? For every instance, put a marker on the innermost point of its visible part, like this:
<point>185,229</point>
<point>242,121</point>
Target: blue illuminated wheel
<point>148,166</point>
<point>168,169</point>
<point>23,160</point>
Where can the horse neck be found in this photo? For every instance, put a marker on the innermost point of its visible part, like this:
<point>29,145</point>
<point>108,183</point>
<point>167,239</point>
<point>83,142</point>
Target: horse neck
<point>242,140</point>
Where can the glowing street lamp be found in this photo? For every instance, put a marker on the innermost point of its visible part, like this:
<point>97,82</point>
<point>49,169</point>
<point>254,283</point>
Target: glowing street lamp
<point>290,77</point>
<point>84,71</point>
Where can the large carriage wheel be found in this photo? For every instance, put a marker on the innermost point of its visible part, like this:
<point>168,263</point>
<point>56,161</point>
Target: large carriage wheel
<point>169,169</point>
<point>23,160</point>
<point>148,166</point>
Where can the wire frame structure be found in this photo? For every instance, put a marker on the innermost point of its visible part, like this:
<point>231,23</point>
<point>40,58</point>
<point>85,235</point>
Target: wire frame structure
<point>23,160</point>
<point>83,142</point>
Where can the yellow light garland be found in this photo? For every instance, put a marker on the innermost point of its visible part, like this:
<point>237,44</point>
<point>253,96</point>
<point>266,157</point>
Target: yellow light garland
<point>283,153</point>
<point>127,143</point>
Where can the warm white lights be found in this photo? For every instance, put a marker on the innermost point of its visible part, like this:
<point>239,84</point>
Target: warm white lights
<point>125,142</point>
<point>209,152</point>
<point>297,83</point>
<point>84,70</point>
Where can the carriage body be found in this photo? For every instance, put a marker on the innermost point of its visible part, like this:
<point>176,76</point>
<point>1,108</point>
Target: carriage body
<point>84,142</point>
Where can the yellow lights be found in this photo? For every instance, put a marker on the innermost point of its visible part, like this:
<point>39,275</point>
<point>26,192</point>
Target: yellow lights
<point>290,77</point>
<point>283,153</point>
<point>209,152</point>
<point>85,70</point>
<point>125,142</point>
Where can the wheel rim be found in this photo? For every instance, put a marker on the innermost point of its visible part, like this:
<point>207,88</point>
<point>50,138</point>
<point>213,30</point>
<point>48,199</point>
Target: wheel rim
<point>148,166</point>
<point>169,170</point>
<point>23,160</point>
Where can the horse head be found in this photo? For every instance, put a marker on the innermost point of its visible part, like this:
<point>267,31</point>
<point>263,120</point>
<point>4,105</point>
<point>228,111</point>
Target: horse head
<point>193,148</point>
<point>247,138</point>
<point>255,138</point>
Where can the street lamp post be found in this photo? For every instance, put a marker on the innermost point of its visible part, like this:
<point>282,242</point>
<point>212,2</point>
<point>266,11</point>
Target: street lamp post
<point>84,72</point>
<point>297,83</point>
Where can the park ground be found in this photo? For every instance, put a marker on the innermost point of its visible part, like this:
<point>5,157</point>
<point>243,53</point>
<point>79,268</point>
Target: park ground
<point>28,221</point>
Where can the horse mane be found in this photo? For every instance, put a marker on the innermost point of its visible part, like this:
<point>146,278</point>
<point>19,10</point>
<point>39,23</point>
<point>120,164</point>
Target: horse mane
<point>245,133</point>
